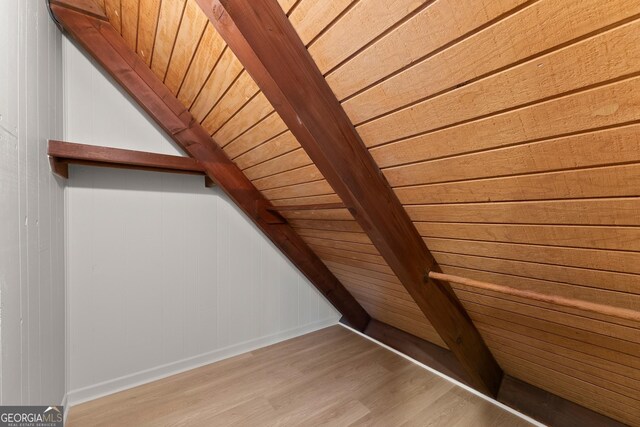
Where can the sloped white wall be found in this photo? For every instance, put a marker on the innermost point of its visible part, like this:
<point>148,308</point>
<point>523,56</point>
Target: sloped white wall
<point>31,208</point>
<point>163,273</point>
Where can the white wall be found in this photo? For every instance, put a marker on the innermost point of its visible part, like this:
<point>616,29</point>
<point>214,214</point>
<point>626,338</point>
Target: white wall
<point>31,208</point>
<point>163,273</point>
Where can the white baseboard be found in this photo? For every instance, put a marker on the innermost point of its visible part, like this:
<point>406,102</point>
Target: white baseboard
<point>64,403</point>
<point>74,397</point>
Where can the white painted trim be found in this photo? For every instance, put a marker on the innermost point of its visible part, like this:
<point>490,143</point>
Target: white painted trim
<point>64,403</point>
<point>441,375</point>
<point>95,391</point>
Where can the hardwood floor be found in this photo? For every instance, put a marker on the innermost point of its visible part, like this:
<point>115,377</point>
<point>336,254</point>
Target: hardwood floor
<point>329,377</point>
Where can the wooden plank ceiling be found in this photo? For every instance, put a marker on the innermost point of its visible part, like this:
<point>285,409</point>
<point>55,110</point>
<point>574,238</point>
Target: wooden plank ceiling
<point>508,129</point>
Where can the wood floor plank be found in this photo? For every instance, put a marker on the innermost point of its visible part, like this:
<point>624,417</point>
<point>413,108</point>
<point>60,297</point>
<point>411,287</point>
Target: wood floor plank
<point>329,377</point>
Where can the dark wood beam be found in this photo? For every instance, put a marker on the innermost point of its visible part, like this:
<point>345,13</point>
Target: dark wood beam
<point>539,404</point>
<point>264,40</point>
<point>109,49</point>
<point>63,153</point>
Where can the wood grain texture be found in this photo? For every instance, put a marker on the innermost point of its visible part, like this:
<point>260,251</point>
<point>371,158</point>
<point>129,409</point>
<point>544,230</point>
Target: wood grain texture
<point>605,211</point>
<point>600,148</point>
<point>147,24</point>
<point>191,27</point>
<point>437,25</point>
<point>267,44</point>
<point>536,28</point>
<point>72,153</point>
<point>204,59</point>
<point>626,262</point>
<point>108,48</point>
<point>167,30</point>
<point>591,237</point>
<point>329,377</point>
<point>269,127</point>
<point>363,22</point>
<point>550,75</point>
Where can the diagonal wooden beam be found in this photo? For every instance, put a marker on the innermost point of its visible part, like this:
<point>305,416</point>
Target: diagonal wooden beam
<point>100,39</point>
<point>264,40</point>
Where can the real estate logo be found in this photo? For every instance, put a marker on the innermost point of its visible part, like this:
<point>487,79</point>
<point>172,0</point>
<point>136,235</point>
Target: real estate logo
<point>31,416</point>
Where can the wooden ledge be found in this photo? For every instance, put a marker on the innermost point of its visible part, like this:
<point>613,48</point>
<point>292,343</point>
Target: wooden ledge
<point>61,154</point>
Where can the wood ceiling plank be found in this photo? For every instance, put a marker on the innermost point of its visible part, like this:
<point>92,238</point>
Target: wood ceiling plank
<point>578,391</point>
<point>233,99</point>
<point>599,148</point>
<point>224,74</point>
<point>595,212</point>
<point>609,181</point>
<point>318,214</point>
<point>620,282</point>
<point>537,28</point>
<point>310,200</point>
<point>573,67</point>
<point>601,296</point>
<point>605,106</point>
<point>112,10</point>
<point>147,23</point>
<point>361,24</point>
<point>270,127</point>
<point>358,256</point>
<point>439,24</point>
<point>610,404</point>
<point>254,111</point>
<point>348,226</point>
<point>620,373</point>
<point>381,268</point>
<point>417,329</point>
<point>266,43</point>
<point>618,261</point>
<point>168,25</point>
<point>289,161</point>
<point>296,176</point>
<point>630,335</point>
<point>189,34</point>
<point>365,248</point>
<point>499,323</point>
<point>575,369</point>
<point>206,56</point>
<point>618,350</point>
<point>286,5</point>
<point>310,17</point>
<point>590,237</point>
<point>129,18</point>
<point>334,235</point>
<point>381,285</point>
<point>315,188</point>
<point>364,272</point>
<point>108,48</point>
<point>275,147</point>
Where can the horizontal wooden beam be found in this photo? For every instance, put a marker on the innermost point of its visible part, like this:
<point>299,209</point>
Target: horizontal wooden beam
<point>63,153</point>
<point>539,404</point>
<point>264,40</point>
<point>109,49</point>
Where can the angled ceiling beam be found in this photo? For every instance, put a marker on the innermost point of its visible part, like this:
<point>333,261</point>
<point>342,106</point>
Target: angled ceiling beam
<point>99,38</point>
<point>266,43</point>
